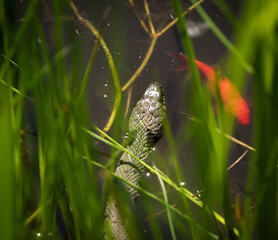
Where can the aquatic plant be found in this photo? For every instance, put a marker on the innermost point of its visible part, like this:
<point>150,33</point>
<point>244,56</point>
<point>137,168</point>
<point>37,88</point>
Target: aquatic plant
<point>58,152</point>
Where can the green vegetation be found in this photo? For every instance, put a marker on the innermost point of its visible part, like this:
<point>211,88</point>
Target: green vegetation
<point>54,178</point>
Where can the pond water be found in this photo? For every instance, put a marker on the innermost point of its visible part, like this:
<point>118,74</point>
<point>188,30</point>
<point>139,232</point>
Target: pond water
<point>128,43</point>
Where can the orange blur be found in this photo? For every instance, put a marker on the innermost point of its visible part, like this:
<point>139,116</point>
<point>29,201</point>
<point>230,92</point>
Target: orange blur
<point>232,100</point>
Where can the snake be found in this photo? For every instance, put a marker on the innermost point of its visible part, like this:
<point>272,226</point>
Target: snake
<point>145,129</point>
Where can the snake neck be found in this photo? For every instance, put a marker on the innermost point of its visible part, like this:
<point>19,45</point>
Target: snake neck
<point>145,129</point>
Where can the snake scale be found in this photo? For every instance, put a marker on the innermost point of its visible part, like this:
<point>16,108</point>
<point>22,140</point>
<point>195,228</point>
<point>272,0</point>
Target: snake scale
<point>145,127</point>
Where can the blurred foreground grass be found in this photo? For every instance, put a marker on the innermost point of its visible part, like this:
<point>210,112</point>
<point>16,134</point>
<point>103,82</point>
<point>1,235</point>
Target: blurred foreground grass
<point>49,168</point>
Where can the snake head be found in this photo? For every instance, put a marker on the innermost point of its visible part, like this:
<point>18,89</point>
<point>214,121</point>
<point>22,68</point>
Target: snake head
<point>149,114</point>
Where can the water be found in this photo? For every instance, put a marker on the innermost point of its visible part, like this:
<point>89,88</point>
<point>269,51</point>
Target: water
<point>128,44</point>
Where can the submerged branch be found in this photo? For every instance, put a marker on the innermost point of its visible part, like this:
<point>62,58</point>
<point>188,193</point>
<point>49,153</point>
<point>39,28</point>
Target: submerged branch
<point>237,161</point>
<point>154,36</point>
<point>231,138</point>
<point>142,66</point>
<point>149,17</point>
<point>171,24</point>
<point>140,19</point>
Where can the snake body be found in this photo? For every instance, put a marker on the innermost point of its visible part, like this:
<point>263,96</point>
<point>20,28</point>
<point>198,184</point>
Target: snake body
<point>145,127</point>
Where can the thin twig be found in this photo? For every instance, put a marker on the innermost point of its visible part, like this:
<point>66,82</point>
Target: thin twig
<point>231,138</point>
<point>140,19</point>
<point>237,161</point>
<point>230,167</point>
<point>149,17</point>
<point>158,213</point>
<point>171,24</point>
<point>143,64</point>
<point>235,140</point>
<point>153,35</point>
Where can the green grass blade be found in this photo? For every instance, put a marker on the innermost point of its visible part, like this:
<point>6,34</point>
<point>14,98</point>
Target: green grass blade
<point>222,38</point>
<point>7,168</point>
<point>169,216</point>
